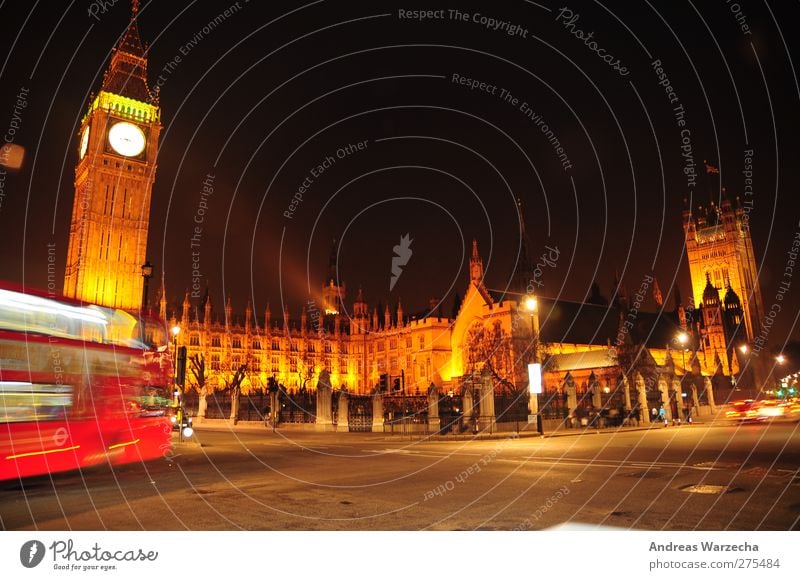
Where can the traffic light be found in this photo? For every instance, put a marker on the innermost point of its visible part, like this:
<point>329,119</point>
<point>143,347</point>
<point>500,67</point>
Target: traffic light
<point>180,370</point>
<point>396,384</point>
<point>384,384</point>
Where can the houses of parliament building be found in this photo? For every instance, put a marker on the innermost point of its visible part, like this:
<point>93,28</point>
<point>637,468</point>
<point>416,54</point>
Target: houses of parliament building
<point>356,344</point>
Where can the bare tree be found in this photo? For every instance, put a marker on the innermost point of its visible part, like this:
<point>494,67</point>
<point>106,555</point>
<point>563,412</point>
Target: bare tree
<point>233,383</point>
<point>198,370</point>
<point>489,347</point>
<point>305,372</point>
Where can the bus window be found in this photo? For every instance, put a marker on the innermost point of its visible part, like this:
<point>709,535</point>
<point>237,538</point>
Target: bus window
<point>20,402</point>
<point>29,313</point>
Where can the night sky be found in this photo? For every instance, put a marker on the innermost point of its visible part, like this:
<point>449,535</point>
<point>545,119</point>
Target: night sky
<point>263,97</point>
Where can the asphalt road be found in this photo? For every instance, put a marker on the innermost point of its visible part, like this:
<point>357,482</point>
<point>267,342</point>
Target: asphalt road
<point>259,480</point>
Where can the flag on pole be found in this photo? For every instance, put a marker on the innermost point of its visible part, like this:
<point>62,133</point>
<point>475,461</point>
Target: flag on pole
<point>710,168</point>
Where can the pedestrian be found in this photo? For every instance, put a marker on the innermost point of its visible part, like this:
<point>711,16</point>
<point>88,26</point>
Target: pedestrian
<point>662,415</point>
<point>653,414</point>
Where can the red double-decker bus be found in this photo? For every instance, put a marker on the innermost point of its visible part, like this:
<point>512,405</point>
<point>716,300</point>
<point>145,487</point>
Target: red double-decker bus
<point>80,385</point>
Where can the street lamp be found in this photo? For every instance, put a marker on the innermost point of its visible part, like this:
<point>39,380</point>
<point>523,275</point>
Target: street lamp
<point>534,369</point>
<point>744,349</point>
<point>175,332</point>
<point>683,340</point>
<point>147,273</point>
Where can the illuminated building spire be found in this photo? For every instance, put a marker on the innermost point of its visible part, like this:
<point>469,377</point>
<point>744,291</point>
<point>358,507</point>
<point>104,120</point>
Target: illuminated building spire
<point>127,73</point>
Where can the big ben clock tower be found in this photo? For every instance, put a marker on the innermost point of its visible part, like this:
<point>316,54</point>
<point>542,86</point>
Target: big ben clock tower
<point>117,147</point>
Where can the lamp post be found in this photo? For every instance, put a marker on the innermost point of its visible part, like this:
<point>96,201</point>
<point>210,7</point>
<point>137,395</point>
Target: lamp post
<point>175,332</point>
<point>744,349</point>
<point>683,340</point>
<point>780,359</point>
<point>534,369</point>
<point>147,273</point>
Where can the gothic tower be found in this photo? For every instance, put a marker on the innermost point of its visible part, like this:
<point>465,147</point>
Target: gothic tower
<point>718,245</point>
<point>113,182</point>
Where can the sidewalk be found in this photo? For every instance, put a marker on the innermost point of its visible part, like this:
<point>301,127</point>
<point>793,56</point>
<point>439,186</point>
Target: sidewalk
<point>309,430</point>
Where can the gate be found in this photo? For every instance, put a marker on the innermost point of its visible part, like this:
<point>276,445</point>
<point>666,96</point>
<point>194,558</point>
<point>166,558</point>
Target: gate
<point>359,416</point>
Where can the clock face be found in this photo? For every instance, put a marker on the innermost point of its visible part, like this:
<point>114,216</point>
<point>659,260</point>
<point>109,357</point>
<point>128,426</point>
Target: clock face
<point>84,141</point>
<point>126,139</point>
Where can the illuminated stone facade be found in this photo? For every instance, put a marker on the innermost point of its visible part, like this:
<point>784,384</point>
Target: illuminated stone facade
<point>117,148</point>
<point>582,340</point>
<point>719,249</point>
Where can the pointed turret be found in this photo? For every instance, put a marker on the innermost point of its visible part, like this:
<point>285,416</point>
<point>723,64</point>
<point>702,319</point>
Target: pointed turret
<point>185,311</point>
<point>710,293</point>
<point>207,309</point>
<point>127,73</point>
<point>399,314</point>
<point>248,317</point>
<point>267,319</point>
<point>360,314</point>
<point>387,318</point>
<point>657,296</point>
<point>669,363</point>
<point>475,265</point>
<point>228,312</point>
<point>162,302</point>
<point>360,307</point>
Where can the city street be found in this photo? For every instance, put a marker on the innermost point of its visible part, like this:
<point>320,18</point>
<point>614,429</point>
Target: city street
<point>303,480</point>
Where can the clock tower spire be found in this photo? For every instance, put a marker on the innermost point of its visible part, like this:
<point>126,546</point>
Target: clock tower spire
<point>117,148</point>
